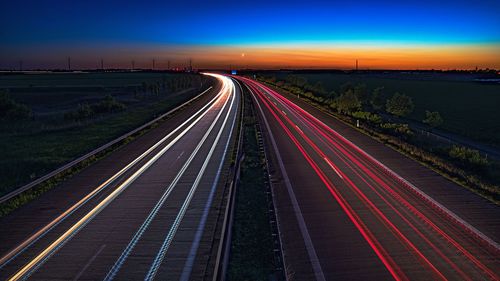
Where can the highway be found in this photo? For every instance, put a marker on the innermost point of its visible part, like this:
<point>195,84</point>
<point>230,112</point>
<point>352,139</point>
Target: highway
<point>344,215</point>
<point>146,212</point>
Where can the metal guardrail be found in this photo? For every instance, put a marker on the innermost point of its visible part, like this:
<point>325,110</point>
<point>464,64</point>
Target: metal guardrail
<point>223,251</point>
<point>278,251</point>
<point>77,161</point>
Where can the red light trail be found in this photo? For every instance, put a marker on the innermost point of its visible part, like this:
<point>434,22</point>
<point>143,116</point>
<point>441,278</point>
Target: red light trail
<point>385,196</point>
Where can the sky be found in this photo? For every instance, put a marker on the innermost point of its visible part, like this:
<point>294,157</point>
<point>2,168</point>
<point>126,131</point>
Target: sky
<point>380,34</point>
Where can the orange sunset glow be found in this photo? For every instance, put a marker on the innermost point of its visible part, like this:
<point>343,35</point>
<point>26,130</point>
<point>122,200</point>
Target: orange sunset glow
<point>343,56</point>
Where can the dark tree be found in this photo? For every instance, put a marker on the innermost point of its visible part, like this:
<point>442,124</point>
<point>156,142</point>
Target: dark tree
<point>348,103</point>
<point>346,87</point>
<point>399,105</point>
<point>361,93</point>
<point>433,119</point>
<point>377,99</point>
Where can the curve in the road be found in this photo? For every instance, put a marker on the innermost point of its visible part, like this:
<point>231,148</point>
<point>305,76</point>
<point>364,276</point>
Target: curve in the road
<point>226,96</point>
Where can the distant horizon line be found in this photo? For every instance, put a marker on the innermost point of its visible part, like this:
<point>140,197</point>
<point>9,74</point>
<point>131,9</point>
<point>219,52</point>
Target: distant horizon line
<point>184,69</point>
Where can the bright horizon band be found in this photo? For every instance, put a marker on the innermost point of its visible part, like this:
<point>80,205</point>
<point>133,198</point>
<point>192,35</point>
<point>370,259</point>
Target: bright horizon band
<point>370,55</point>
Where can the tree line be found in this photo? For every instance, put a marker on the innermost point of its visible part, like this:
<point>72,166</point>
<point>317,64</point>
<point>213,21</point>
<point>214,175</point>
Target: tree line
<point>374,109</point>
<point>356,100</point>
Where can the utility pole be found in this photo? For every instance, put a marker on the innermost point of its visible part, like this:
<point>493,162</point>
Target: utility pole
<point>153,64</point>
<point>69,63</point>
<point>356,65</point>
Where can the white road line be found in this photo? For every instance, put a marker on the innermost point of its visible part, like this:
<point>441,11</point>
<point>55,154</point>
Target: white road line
<point>153,270</point>
<point>299,129</point>
<point>89,263</point>
<point>142,229</point>
<point>311,252</point>
<point>331,165</point>
<point>36,262</point>
<point>180,155</point>
<point>47,228</point>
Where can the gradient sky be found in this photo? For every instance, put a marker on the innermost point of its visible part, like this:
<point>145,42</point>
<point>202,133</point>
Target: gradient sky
<point>314,34</point>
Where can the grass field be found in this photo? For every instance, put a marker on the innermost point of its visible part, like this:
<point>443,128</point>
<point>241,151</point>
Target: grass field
<point>468,108</point>
<point>97,79</point>
<point>31,148</point>
<point>251,245</point>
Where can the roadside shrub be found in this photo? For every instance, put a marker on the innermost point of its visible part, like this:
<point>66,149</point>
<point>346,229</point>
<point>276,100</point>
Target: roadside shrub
<point>400,129</point>
<point>471,156</point>
<point>12,110</point>
<point>85,111</point>
<point>108,105</point>
<point>348,102</point>
<point>399,105</point>
<point>433,119</point>
<point>368,116</point>
<point>82,112</point>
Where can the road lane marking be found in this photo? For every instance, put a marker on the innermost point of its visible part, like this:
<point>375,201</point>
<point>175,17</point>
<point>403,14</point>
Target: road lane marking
<point>182,153</point>
<point>89,263</point>
<point>333,167</point>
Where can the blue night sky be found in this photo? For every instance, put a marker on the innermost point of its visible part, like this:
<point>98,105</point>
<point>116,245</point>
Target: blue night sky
<point>28,25</point>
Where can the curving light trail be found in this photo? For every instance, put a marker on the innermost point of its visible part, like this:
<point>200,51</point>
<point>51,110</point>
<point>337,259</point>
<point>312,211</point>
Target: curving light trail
<point>32,265</point>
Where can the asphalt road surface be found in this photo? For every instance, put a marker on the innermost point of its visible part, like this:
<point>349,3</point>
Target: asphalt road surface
<point>145,212</point>
<point>343,215</point>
